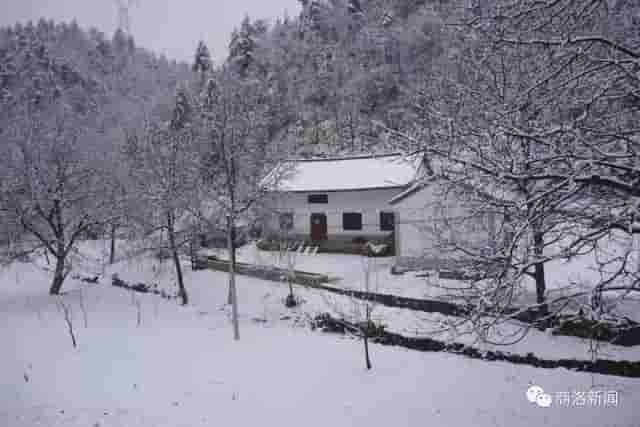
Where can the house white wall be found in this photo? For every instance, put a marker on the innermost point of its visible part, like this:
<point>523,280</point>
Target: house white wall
<point>414,219</point>
<point>367,202</point>
<point>428,217</point>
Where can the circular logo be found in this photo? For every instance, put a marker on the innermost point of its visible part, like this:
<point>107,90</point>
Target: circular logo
<point>543,400</point>
<point>533,392</point>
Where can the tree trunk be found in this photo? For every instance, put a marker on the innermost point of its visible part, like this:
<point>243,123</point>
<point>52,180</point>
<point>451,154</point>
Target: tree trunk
<point>366,332</point>
<point>192,252</point>
<point>538,249</point>
<point>365,335</point>
<point>541,286</point>
<point>366,350</point>
<point>176,260</point>
<point>231,246</point>
<point>61,253</point>
<point>58,276</point>
<point>232,297</point>
<point>112,251</point>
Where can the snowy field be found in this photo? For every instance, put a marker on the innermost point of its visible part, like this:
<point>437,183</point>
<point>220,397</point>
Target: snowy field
<point>145,361</point>
<point>347,270</point>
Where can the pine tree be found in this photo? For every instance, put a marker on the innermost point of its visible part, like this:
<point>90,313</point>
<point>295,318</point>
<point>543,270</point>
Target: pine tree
<point>181,111</point>
<point>202,62</point>
<point>241,47</point>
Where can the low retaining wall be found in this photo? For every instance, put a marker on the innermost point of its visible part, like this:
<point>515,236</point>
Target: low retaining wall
<point>625,335</point>
<point>425,305</point>
<point>139,287</point>
<point>262,272</point>
<point>600,366</point>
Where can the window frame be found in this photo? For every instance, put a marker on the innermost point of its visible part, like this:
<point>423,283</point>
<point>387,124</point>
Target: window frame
<point>312,199</point>
<point>351,228</point>
<point>383,223</point>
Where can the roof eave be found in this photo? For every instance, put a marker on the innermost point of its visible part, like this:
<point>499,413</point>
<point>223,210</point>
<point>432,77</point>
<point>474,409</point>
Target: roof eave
<point>339,190</point>
<point>407,193</point>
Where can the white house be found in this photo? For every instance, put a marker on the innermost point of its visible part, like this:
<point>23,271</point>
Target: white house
<point>331,200</point>
<point>336,202</point>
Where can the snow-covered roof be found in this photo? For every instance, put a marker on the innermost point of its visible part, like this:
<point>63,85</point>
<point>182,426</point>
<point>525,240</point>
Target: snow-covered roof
<point>411,190</point>
<point>486,190</point>
<point>345,173</point>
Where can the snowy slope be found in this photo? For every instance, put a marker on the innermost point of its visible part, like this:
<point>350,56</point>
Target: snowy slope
<point>350,270</point>
<point>180,366</point>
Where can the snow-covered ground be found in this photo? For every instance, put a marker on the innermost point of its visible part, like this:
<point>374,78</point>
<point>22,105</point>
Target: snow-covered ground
<point>145,361</point>
<point>348,271</point>
<point>562,276</point>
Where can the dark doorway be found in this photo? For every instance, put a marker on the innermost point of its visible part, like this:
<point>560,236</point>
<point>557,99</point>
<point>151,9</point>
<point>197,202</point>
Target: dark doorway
<point>318,226</point>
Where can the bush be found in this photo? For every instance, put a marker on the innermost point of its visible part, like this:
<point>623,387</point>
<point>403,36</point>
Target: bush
<point>371,329</point>
<point>326,323</point>
<point>381,250</point>
<point>291,301</point>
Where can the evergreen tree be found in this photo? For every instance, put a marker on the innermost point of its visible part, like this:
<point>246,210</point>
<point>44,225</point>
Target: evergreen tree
<point>202,62</point>
<point>241,47</point>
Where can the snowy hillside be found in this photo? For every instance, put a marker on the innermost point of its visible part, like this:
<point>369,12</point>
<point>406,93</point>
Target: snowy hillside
<point>145,361</point>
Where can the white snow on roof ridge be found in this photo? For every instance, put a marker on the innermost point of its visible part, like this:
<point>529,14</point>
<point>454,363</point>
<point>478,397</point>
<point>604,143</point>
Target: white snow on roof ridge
<point>346,157</point>
<point>348,173</point>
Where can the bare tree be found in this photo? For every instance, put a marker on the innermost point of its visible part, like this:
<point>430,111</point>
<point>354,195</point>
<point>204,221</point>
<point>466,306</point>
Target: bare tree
<point>164,167</point>
<point>236,153</point>
<point>287,256</point>
<point>356,314</point>
<point>534,122</point>
<point>68,318</point>
<point>53,180</point>
<point>62,92</point>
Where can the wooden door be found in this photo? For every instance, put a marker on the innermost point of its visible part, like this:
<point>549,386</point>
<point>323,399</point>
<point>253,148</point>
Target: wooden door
<point>318,226</point>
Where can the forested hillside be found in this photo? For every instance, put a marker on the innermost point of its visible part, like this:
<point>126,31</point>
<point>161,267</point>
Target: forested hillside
<point>341,66</point>
<point>69,98</point>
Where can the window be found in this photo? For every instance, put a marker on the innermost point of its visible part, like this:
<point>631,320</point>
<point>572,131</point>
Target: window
<point>352,221</point>
<point>318,198</point>
<point>387,221</point>
<point>286,221</point>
